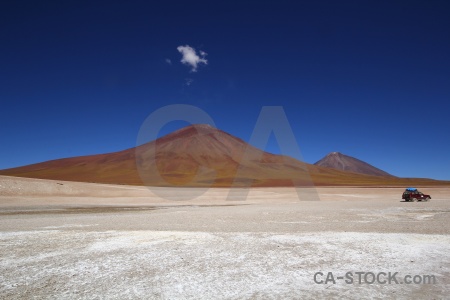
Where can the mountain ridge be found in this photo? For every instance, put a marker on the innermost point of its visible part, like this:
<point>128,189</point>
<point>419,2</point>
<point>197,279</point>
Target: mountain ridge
<point>199,155</point>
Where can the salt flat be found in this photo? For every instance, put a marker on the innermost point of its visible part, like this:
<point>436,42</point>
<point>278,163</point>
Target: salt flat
<point>77,240</point>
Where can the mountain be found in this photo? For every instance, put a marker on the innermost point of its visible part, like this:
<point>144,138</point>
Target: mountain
<point>215,154</point>
<point>344,162</point>
<point>192,155</point>
<point>198,155</point>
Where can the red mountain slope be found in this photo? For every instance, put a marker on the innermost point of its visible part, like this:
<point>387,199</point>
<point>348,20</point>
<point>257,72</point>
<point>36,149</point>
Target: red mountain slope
<point>198,155</point>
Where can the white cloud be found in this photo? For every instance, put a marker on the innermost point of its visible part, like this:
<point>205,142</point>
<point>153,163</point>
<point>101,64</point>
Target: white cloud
<point>188,81</point>
<point>191,58</point>
<point>168,61</point>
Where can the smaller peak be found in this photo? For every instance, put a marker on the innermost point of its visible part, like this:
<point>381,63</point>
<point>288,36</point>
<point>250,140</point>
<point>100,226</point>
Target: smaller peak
<point>334,153</point>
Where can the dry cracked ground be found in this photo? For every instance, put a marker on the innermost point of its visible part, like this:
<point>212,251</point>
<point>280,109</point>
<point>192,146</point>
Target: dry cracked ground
<point>66,240</point>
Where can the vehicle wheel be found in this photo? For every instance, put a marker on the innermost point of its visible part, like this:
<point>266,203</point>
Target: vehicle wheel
<point>427,199</point>
<point>414,199</point>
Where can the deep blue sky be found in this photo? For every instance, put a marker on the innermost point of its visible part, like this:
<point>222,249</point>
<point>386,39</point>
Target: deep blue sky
<point>370,79</point>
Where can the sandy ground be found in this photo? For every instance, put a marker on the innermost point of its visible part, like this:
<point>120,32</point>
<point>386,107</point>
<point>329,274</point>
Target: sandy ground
<point>65,240</point>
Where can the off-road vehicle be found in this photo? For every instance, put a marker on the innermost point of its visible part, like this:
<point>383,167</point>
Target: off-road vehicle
<point>412,194</point>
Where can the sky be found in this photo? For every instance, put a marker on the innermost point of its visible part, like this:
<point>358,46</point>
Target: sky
<point>370,79</point>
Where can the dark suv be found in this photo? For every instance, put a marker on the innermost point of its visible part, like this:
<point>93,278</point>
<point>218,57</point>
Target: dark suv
<point>412,194</point>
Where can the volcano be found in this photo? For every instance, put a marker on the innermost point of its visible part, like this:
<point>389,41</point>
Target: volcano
<point>203,155</point>
<point>199,155</point>
<point>344,162</point>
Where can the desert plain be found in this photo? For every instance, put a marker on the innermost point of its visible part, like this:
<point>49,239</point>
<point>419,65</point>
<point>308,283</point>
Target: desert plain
<point>65,240</point>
